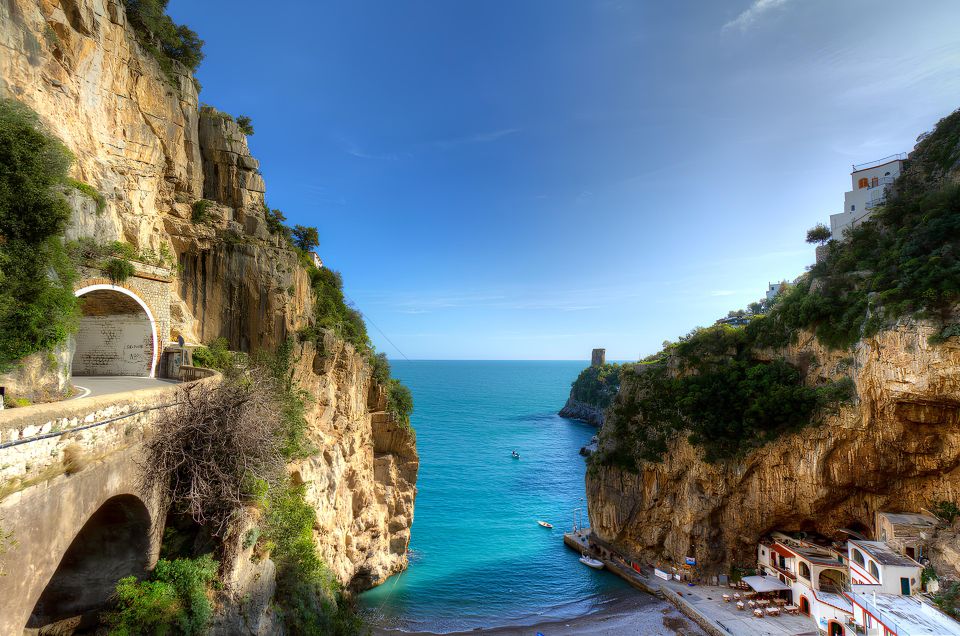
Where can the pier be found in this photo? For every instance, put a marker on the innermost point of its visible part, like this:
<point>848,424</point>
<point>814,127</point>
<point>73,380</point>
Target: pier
<point>703,604</point>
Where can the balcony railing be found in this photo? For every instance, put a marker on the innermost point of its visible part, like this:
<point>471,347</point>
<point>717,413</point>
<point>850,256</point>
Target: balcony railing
<point>879,162</point>
<point>881,181</point>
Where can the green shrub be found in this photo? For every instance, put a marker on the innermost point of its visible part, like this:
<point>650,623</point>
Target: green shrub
<point>200,213</point>
<point>379,368</point>
<point>91,192</point>
<point>167,41</point>
<point>274,219</point>
<point>331,311</point>
<point>946,510</point>
<point>948,598</point>
<point>37,306</point>
<point>400,402</point>
<point>118,270</point>
<point>174,600</point>
<point>245,124</point>
<point>597,386</point>
<point>216,355</point>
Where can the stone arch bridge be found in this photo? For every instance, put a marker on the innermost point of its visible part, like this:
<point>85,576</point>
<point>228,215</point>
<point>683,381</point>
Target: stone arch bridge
<point>72,505</point>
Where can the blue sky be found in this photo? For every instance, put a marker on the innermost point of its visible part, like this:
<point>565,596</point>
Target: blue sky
<point>534,178</point>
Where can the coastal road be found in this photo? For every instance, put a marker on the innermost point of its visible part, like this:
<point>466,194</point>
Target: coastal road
<point>91,386</point>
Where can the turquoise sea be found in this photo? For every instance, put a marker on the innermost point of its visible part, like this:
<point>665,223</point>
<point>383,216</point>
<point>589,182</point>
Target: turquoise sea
<point>477,556</point>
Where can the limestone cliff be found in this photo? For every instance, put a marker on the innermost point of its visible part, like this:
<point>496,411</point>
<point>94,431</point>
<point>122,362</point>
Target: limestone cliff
<point>576,410</point>
<point>141,139</point>
<point>362,483</point>
<point>897,447</point>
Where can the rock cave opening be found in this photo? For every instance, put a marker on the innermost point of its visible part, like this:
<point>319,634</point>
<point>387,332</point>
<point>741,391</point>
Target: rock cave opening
<point>113,543</point>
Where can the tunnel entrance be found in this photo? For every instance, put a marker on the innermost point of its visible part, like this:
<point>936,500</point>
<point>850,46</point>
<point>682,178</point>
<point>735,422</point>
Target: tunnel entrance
<point>113,543</point>
<point>117,334</point>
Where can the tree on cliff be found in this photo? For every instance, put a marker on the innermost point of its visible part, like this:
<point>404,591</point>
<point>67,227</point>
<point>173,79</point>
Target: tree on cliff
<point>305,238</point>
<point>819,233</point>
<point>163,37</point>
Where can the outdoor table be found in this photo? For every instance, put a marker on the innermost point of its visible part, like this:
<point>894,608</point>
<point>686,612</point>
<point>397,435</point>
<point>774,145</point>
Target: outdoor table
<point>792,609</point>
<point>750,594</point>
<point>758,613</point>
<point>773,611</point>
<point>780,601</point>
<point>726,598</point>
<point>752,603</point>
<point>739,605</point>
<point>736,595</point>
<point>763,602</point>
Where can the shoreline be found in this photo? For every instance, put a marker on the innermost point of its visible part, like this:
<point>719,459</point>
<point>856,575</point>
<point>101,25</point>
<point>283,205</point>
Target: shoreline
<point>636,613</point>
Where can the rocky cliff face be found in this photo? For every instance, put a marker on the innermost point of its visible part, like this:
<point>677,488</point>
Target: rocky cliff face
<point>896,448</point>
<point>140,139</point>
<point>362,483</point>
<point>576,410</point>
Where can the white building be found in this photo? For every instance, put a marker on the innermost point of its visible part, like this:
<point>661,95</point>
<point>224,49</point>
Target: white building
<point>876,563</point>
<point>774,290</point>
<point>879,614</point>
<point>317,261</point>
<point>817,576</point>
<point>870,182</point>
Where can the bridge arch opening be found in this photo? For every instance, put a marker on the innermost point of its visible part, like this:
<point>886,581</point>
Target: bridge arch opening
<point>113,543</point>
<point>117,335</point>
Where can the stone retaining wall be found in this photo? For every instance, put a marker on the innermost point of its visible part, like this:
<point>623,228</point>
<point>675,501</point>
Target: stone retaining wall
<point>34,440</point>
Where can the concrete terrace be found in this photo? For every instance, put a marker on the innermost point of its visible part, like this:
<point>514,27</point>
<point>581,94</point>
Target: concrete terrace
<point>708,600</point>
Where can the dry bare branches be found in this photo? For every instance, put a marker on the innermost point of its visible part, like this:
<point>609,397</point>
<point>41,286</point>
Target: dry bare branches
<point>210,455</point>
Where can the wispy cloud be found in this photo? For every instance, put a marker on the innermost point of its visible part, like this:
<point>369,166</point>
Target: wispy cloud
<point>752,14</point>
<point>478,138</point>
<point>356,151</point>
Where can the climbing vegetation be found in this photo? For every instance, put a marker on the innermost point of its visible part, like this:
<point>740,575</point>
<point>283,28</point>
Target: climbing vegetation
<point>175,599</point>
<point>166,40</point>
<point>37,306</point>
<point>709,387</point>
<point>597,386</point>
<point>216,355</point>
<point>91,192</point>
<point>399,402</point>
<point>903,261</point>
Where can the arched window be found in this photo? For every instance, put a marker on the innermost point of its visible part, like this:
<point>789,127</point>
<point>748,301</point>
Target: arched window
<point>804,570</point>
<point>858,557</point>
<point>863,182</point>
<point>874,571</point>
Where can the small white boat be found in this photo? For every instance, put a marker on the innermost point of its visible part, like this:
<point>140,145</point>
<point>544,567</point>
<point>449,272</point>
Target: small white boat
<point>591,563</point>
<point>545,524</point>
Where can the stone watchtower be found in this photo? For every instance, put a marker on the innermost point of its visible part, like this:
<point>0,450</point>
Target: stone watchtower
<point>598,358</point>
